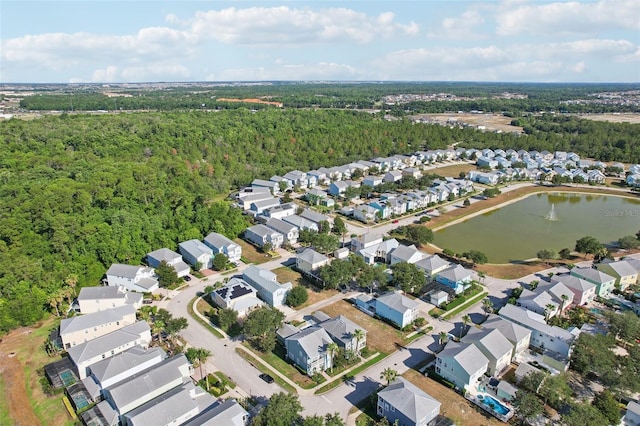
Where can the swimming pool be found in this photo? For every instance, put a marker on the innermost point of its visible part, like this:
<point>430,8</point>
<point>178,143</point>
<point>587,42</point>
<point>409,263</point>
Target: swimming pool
<point>493,404</point>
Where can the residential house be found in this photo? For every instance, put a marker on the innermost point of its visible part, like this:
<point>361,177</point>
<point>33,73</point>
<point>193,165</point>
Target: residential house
<point>290,232</point>
<point>316,217</point>
<point>596,176</point>
<point>259,207</point>
<point>226,412</point>
<point>432,265</point>
<point>392,176</point>
<point>267,285</point>
<point>372,181</point>
<point>409,254</point>
<point>403,403</point>
<point>297,179</point>
<point>237,295</point>
<point>517,335</point>
<point>342,331</point>
<point>482,177</point>
<point>301,222</point>
<point>583,291</point>
<point>633,180</point>
<point>548,299</point>
<point>82,328</point>
<point>412,172</point>
<point>397,308</point>
<point>461,363</point>
<point>487,162</point>
<point>320,176</point>
<point>274,187</point>
<point>197,254</point>
<point>221,244</point>
<point>364,241</point>
<point>438,298</point>
<point>134,278</point>
<point>494,346</point>
<point>246,201</point>
<point>379,252</point>
<point>367,213</point>
<point>315,196</point>
<point>383,209</point>
<point>280,211</point>
<point>455,277</point>
<point>624,274</point>
<point>308,349</point>
<point>86,354</point>
<point>337,189</point>
<point>171,258</point>
<point>543,336</point>
<point>632,414</point>
<point>117,368</point>
<point>174,407</point>
<point>148,384</point>
<point>95,299</point>
<point>261,235</point>
<point>309,261</point>
<point>605,283</point>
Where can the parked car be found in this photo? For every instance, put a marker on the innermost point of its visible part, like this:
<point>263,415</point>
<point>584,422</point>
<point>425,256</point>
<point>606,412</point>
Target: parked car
<point>267,378</point>
<point>396,221</point>
<point>187,278</point>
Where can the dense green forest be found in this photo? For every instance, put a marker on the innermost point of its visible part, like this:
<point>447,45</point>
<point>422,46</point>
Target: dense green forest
<point>540,97</point>
<point>79,192</point>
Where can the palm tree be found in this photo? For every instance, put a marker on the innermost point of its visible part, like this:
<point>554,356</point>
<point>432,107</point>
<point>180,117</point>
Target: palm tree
<point>487,305</point>
<point>332,349</point>
<point>533,284</point>
<point>482,276</point>
<point>466,319</point>
<point>158,327</point>
<point>197,357</point>
<point>443,337</point>
<point>564,298</point>
<point>53,302</point>
<point>72,281</point>
<point>358,334</point>
<point>548,309</point>
<point>389,374</point>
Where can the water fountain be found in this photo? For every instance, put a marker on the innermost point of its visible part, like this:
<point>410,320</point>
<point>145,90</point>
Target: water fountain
<point>552,214</point>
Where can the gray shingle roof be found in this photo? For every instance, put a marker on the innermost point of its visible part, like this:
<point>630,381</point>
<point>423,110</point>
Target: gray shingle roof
<point>432,263</point>
<point>263,278</point>
<point>126,271</point>
<point>227,413</point>
<point>512,331</point>
<point>314,216</point>
<point>164,254</point>
<point>492,340</point>
<point>127,360</point>
<point>109,292</point>
<point>411,401</point>
<point>195,247</point>
<point>217,241</point>
<point>398,302</point>
<point>149,382</point>
<point>341,328</point>
<point>456,273</point>
<point>592,274</point>
<point>85,351</point>
<point>280,225</point>
<point>172,406</point>
<point>311,256</point>
<point>96,319</point>
<point>573,282</point>
<point>533,321</point>
<point>467,355</point>
<point>312,340</point>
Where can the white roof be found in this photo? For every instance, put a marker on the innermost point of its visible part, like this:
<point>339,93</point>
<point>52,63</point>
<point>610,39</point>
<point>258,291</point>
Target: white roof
<point>397,302</point>
<point>467,355</point>
<point>95,319</point>
<point>410,400</point>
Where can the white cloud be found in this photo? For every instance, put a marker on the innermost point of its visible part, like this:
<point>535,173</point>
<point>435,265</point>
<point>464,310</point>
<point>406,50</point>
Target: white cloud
<point>287,71</point>
<point>567,17</point>
<point>463,27</point>
<point>286,26</point>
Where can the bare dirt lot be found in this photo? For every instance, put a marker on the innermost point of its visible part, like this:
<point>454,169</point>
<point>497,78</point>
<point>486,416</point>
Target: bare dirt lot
<point>285,274</point>
<point>491,122</point>
<point>613,118</point>
<point>21,358</point>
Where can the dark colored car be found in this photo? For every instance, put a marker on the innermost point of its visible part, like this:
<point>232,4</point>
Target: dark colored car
<point>187,278</point>
<point>267,378</point>
<point>396,221</point>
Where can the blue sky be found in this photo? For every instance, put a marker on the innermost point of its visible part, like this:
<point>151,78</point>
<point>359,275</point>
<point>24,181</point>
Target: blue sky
<point>149,40</point>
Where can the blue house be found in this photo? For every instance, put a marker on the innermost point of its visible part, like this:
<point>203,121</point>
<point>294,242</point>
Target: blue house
<point>406,404</point>
<point>455,277</point>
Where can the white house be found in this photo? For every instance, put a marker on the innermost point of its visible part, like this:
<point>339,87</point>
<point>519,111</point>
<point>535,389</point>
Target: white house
<point>397,308</point>
<point>134,278</point>
<point>517,335</point>
<point>218,243</point>
<point>289,232</point>
<point>267,285</point>
<point>461,363</point>
<point>431,265</point>
<point>365,240</point>
<point>409,254</point>
<point>196,254</point>
<point>583,291</point>
<point>94,299</point>
<point>261,235</point>
<point>82,328</point>
<point>173,259</point>
<point>310,260</point>
<point>238,295</point>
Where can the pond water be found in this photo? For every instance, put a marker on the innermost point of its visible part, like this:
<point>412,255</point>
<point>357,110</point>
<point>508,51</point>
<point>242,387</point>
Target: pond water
<point>518,231</point>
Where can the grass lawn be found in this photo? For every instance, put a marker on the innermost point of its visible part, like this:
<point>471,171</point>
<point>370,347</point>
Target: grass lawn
<point>23,399</point>
<point>453,170</point>
<point>251,253</point>
<point>454,405</point>
<point>203,307</point>
<point>286,274</point>
<point>276,359</point>
<point>381,337</point>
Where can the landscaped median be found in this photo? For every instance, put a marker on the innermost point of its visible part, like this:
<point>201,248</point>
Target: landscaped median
<point>198,316</point>
<point>458,305</point>
<point>263,369</point>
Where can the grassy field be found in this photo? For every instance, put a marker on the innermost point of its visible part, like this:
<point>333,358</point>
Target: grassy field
<point>454,170</point>
<point>251,253</point>
<point>285,274</point>
<point>381,337</point>
<point>22,357</point>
